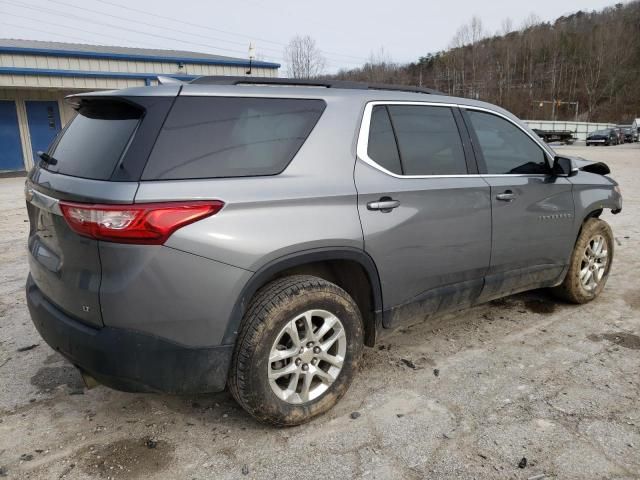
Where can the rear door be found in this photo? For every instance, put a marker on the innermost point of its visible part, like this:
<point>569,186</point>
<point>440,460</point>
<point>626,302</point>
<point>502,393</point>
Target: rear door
<point>426,220</point>
<point>65,266</point>
<point>532,210</point>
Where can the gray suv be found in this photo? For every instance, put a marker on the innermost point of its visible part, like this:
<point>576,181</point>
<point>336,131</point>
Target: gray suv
<point>255,234</point>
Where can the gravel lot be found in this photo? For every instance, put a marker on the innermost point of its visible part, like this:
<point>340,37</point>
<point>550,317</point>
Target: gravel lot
<point>522,377</point>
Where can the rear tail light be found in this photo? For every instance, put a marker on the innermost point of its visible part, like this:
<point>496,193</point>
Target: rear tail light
<point>143,223</point>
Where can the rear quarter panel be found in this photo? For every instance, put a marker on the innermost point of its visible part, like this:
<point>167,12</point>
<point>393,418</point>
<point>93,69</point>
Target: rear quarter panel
<point>311,204</point>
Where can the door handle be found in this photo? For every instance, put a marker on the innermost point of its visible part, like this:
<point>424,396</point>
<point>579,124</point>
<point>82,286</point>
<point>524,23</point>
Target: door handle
<point>506,196</point>
<point>385,204</point>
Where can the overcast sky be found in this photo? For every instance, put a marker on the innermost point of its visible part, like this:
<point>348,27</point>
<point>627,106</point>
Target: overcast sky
<point>346,31</point>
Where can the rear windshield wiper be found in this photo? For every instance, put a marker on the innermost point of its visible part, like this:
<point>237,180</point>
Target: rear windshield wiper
<point>46,158</point>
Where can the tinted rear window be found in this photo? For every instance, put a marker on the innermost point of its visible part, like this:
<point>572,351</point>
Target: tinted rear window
<point>93,143</point>
<point>209,137</point>
<point>382,146</point>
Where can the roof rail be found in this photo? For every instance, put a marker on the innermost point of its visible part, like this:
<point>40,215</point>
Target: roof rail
<point>165,80</point>
<point>225,80</point>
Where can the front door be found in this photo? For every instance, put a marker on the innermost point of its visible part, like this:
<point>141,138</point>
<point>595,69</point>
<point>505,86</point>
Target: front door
<point>426,221</point>
<point>10,147</point>
<point>532,210</point>
<point>43,118</point>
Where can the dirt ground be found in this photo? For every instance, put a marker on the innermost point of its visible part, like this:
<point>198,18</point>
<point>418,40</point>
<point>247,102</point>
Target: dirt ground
<point>470,395</point>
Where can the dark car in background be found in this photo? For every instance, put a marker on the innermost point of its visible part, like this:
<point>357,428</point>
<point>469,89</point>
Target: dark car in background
<point>607,137</point>
<point>628,135</point>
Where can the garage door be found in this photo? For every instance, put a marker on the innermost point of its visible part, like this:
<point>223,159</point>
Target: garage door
<point>10,147</point>
<point>43,118</point>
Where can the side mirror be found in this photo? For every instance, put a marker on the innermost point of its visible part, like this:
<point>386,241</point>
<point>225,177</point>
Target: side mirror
<point>564,167</point>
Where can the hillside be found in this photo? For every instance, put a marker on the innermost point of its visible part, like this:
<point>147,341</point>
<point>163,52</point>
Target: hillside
<point>592,58</point>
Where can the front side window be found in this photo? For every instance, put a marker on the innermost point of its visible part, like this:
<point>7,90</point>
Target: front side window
<point>428,140</point>
<point>506,149</point>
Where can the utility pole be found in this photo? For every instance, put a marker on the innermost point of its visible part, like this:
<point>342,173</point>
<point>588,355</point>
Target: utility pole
<point>554,104</point>
<point>252,55</point>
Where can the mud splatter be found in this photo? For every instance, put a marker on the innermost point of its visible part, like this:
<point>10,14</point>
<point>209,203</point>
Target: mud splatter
<point>130,458</point>
<point>537,305</point>
<point>54,358</point>
<point>505,302</point>
<point>625,340</point>
<point>48,378</point>
<point>632,298</point>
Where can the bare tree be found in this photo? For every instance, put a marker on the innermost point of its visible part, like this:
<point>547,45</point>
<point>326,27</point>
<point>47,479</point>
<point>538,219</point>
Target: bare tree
<point>303,57</point>
<point>592,58</point>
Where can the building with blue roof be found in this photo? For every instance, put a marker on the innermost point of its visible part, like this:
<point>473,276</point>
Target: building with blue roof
<point>35,77</point>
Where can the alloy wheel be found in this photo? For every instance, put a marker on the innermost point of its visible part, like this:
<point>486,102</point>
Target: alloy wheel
<point>307,356</point>
<point>594,263</point>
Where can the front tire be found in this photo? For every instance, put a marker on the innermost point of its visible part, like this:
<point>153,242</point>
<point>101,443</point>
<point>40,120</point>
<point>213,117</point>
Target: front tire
<point>297,351</point>
<point>590,263</point>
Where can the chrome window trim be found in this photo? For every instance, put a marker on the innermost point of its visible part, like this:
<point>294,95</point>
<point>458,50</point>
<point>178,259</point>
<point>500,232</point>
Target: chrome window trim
<point>363,140</point>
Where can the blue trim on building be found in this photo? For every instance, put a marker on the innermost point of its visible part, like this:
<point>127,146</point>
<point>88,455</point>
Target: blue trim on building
<point>81,73</point>
<point>134,57</point>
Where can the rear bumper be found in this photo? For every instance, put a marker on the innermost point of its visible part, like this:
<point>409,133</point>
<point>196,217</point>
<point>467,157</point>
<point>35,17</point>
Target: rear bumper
<point>127,360</point>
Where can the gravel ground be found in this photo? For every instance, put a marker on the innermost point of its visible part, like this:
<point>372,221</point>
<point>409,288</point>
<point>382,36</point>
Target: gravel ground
<point>470,395</point>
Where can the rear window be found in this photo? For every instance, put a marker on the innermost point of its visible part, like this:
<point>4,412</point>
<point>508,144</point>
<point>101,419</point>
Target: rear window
<point>95,140</point>
<point>210,137</point>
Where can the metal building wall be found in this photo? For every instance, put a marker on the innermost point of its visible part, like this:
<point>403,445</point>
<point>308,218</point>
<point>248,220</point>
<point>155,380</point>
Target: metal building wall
<point>90,65</point>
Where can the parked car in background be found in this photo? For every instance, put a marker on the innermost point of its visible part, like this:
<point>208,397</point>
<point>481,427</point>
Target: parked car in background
<point>626,133</point>
<point>258,233</point>
<point>608,136</point>
<point>562,136</point>
<point>636,128</point>
<point>619,134</point>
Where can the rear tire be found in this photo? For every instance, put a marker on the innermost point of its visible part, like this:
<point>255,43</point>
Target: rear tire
<point>590,263</point>
<point>307,327</point>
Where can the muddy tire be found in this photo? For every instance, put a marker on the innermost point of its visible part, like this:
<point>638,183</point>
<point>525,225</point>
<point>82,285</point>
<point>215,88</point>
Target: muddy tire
<point>297,351</point>
<point>590,263</point>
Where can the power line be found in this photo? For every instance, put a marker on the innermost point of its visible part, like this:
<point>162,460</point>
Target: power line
<point>208,27</point>
<point>70,27</point>
<point>70,37</point>
<point>152,25</point>
<point>117,27</point>
<point>325,52</point>
<point>139,22</point>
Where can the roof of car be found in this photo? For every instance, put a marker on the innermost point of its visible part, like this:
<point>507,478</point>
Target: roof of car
<point>296,88</point>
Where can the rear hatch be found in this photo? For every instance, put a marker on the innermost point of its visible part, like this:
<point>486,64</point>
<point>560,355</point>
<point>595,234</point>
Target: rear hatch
<point>97,159</point>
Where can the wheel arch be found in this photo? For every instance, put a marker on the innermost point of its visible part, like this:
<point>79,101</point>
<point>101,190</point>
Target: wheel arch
<point>350,268</point>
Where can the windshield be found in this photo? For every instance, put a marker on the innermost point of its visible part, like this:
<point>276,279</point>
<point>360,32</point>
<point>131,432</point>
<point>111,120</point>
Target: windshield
<point>601,132</point>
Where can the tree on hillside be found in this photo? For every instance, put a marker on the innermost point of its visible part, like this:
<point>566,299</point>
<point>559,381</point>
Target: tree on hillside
<point>304,59</point>
<point>592,58</point>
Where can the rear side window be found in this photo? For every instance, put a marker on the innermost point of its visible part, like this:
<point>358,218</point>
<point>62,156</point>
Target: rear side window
<point>382,146</point>
<point>211,137</point>
<point>428,140</point>
<point>95,140</point>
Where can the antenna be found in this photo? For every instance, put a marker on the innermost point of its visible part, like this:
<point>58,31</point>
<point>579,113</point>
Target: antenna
<point>252,55</point>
